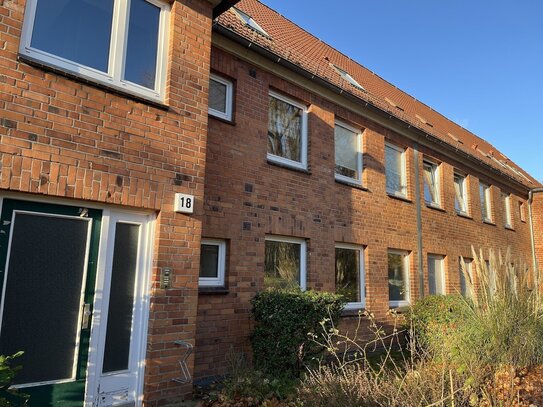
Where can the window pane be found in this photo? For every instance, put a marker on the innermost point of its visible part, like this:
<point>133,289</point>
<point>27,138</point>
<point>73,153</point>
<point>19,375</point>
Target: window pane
<point>397,290</point>
<point>484,202</point>
<point>77,30</point>
<point>209,261</point>
<point>282,264</point>
<point>346,145</point>
<point>348,274</point>
<point>464,288</point>
<point>142,44</point>
<point>435,275</point>
<point>430,183</point>
<point>43,295</point>
<point>121,297</point>
<point>285,130</point>
<point>393,168</point>
<point>217,96</point>
<point>459,198</point>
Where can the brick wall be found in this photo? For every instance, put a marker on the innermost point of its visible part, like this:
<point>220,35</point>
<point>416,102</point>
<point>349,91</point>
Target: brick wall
<point>246,198</point>
<point>64,138</point>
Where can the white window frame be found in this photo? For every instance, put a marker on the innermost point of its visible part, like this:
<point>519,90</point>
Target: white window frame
<point>468,263</point>
<point>117,51</point>
<point>227,115</point>
<point>522,211</point>
<point>303,254</point>
<point>508,218</point>
<point>435,173</point>
<point>485,198</point>
<point>406,264</point>
<point>303,137</point>
<point>463,191</point>
<point>221,264</point>
<point>440,260</point>
<point>359,162</point>
<point>361,272</point>
<point>403,175</point>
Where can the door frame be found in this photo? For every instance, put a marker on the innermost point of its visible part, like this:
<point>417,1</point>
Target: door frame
<point>146,283</point>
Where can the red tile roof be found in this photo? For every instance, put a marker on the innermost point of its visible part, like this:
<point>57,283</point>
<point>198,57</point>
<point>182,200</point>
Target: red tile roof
<point>292,43</point>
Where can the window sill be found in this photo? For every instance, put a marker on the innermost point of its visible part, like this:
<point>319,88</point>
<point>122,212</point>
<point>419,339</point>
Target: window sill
<point>489,222</point>
<point>221,119</point>
<point>212,290</point>
<point>352,312</point>
<point>435,207</point>
<point>399,197</point>
<point>509,227</point>
<point>400,309</point>
<point>464,215</point>
<point>271,161</point>
<point>351,184</point>
<point>87,81</point>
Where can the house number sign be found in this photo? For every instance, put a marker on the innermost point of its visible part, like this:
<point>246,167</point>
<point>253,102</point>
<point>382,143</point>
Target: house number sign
<point>184,203</point>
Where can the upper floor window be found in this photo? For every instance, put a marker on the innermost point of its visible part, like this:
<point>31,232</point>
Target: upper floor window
<point>348,153</point>
<point>350,275</point>
<point>220,97</point>
<point>398,278</point>
<point>436,274</point>
<point>507,218</point>
<point>395,170</point>
<point>120,43</point>
<point>460,194</point>
<point>212,262</point>
<point>484,192</point>
<point>287,131</point>
<point>284,262</point>
<point>431,183</point>
<point>522,211</point>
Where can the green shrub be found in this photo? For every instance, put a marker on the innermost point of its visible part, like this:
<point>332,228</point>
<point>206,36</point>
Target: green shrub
<point>10,397</point>
<point>434,317</point>
<point>284,318</point>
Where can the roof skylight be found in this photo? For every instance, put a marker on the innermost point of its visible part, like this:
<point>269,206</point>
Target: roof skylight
<point>345,75</point>
<point>250,22</point>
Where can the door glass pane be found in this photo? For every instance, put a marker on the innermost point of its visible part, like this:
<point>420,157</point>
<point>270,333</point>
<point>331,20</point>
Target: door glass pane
<point>121,298</point>
<point>142,45</point>
<point>209,261</point>
<point>43,295</point>
<point>77,30</point>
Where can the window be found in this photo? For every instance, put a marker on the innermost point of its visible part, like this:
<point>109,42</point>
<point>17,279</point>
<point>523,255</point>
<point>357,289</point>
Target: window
<point>350,275</point>
<point>436,274</point>
<point>431,183</point>
<point>466,288</point>
<point>287,131</point>
<point>212,262</point>
<point>491,278</point>
<point>507,219</point>
<point>522,211</point>
<point>220,97</point>
<point>460,194</point>
<point>250,22</point>
<point>398,278</point>
<point>395,170</point>
<point>348,153</point>
<point>345,75</point>
<point>484,191</point>
<point>119,43</point>
<point>284,263</point>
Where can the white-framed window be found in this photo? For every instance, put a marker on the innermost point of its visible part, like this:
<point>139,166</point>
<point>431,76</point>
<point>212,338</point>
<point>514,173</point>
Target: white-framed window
<point>350,277</point>
<point>285,262</point>
<point>249,21</point>
<point>486,206</point>
<point>436,274</point>
<point>347,77</point>
<point>221,93</point>
<point>460,194</point>
<point>398,278</point>
<point>348,153</point>
<point>507,218</point>
<point>119,43</point>
<point>287,131</point>
<point>431,183</point>
<point>492,287</point>
<point>464,286</point>
<point>522,211</point>
<point>212,263</point>
<point>395,170</point>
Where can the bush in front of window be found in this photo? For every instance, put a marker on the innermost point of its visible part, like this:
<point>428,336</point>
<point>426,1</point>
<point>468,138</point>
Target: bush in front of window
<point>284,318</point>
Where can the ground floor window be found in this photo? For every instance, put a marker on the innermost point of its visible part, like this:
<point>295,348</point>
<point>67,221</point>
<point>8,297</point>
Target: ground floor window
<point>285,262</point>
<point>350,275</point>
<point>398,278</point>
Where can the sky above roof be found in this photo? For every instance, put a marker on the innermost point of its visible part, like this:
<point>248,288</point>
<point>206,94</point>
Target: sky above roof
<point>479,63</point>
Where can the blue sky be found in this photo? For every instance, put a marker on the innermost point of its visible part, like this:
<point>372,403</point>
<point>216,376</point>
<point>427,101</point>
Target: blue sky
<point>478,62</point>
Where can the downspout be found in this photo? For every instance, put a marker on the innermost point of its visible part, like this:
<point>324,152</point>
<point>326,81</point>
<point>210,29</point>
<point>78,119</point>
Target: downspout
<point>419,220</point>
<point>530,214</point>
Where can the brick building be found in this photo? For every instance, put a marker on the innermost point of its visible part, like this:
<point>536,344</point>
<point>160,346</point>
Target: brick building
<point>159,167</point>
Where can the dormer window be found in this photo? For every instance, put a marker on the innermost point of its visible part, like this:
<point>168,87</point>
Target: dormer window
<point>250,22</point>
<point>346,76</point>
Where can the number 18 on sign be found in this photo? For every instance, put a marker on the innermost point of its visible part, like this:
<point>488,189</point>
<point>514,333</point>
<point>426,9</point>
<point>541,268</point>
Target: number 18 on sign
<point>184,203</point>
